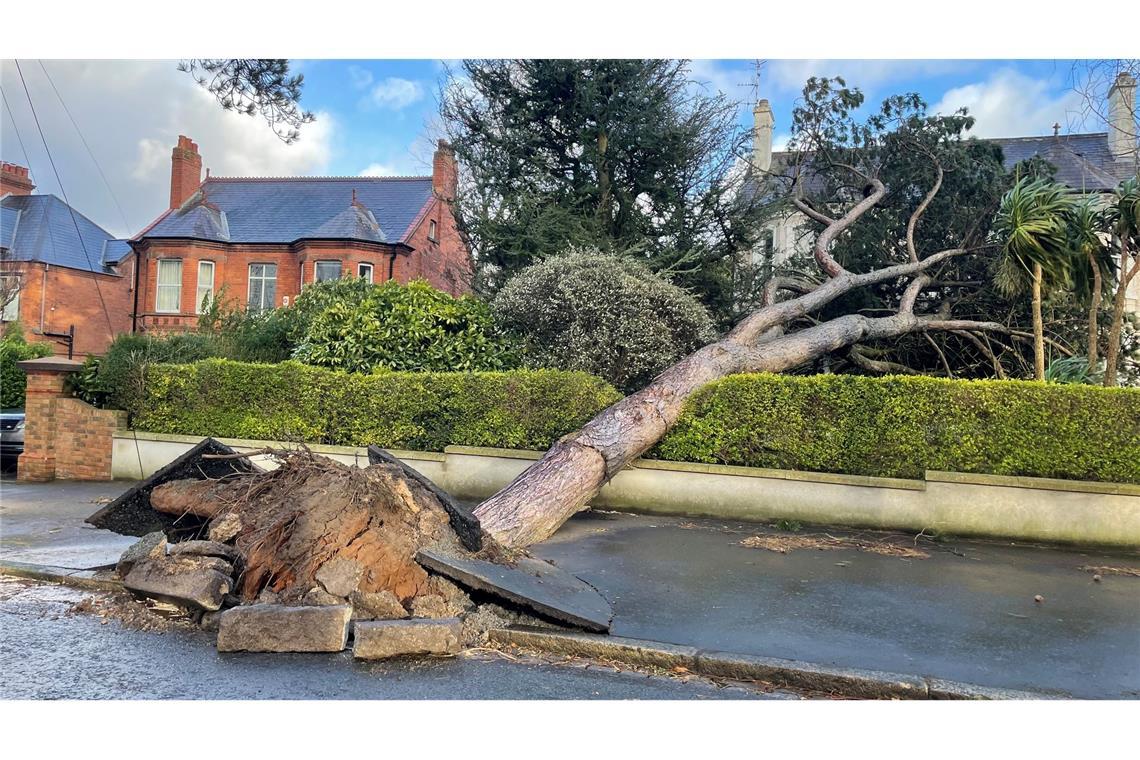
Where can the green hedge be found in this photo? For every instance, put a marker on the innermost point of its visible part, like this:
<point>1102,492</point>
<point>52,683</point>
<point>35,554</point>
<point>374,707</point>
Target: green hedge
<point>410,410</point>
<point>902,426</point>
<point>13,381</point>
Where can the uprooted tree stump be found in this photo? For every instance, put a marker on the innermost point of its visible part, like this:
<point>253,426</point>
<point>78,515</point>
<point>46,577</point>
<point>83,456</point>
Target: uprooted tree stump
<point>316,530</point>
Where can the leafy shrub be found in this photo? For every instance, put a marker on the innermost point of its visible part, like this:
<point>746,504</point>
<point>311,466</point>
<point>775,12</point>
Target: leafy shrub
<point>14,348</point>
<point>123,370</point>
<point>603,314</point>
<point>411,327</point>
<point>413,410</point>
<point>902,426</point>
<point>243,335</point>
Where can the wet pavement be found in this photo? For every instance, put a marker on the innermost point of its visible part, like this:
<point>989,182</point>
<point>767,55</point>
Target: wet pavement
<point>42,523</point>
<point>966,613</point>
<point>46,652</point>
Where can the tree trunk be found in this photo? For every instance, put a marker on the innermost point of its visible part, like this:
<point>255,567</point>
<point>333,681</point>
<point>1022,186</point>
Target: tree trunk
<point>533,506</point>
<point>1112,352</point>
<point>1038,326</point>
<point>1094,308</point>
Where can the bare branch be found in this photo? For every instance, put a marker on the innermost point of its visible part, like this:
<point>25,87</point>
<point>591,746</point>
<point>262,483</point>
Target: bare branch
<point>918,212</point>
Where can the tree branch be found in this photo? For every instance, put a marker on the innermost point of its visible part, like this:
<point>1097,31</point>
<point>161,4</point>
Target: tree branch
<point>918,212</point>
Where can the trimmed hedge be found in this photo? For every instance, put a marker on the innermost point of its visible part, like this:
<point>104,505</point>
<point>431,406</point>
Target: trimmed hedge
<point>901,426</point>
<point>424,411</point>
<point>13,381</point>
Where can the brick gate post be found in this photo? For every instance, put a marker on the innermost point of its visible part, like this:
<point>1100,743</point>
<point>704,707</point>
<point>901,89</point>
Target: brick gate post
<point>45,386</point>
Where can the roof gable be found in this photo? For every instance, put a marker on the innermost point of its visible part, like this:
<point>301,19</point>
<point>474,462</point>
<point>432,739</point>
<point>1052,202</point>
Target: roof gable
<point>284,210</point>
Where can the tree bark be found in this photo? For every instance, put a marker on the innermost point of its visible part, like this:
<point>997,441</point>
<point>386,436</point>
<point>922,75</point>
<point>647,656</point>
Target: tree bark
<point>1094,308</point>
<point>1112,352</point>
<point>1038,326</point>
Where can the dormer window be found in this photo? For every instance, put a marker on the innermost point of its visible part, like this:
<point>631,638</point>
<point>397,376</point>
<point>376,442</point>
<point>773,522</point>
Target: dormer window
<point>432,236</point>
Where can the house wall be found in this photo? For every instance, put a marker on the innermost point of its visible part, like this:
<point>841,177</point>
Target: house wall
<point>444,262</point>
<point>52,298</point>
<point>231,272</point>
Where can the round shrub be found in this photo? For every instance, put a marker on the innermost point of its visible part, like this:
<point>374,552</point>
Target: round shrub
<point>411,327</point>
<point>603,314</point>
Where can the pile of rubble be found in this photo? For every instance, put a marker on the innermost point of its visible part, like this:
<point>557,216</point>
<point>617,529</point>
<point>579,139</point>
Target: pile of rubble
<point>305,556</point>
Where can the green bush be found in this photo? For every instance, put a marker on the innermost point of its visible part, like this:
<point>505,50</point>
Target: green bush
<point>603,314</point>
<point>122,371</point>
<point>13,381</point>
<point>901,426</point>
<point>413,410</point>
<point>411,327</point>
<point>244,335</point>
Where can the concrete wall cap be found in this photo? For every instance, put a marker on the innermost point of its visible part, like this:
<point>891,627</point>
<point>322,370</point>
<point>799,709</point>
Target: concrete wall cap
<point>49,365</point>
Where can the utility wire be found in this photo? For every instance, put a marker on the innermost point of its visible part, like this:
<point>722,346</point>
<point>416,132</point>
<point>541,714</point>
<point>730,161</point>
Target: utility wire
<point>66,110</point>
<point>70,210</point>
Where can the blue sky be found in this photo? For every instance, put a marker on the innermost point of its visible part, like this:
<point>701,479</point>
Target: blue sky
<point>379,117</point>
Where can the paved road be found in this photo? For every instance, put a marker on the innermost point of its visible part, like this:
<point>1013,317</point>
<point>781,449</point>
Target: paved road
<point>966,613</point>
<point>47,653</point>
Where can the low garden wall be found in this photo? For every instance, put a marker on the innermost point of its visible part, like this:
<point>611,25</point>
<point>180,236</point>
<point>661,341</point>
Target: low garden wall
<point>1037,509</point>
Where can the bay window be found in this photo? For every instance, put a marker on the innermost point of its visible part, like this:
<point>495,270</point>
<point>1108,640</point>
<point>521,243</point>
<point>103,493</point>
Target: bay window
<point>262,287</point>
<point>168,293</point>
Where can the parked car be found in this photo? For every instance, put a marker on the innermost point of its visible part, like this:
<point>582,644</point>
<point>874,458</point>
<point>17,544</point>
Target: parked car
<point>11,435</point>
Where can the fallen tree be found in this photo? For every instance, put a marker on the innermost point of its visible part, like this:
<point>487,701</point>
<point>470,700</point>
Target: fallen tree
<point>778,336</point>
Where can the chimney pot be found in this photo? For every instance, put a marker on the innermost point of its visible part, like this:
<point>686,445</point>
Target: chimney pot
<point>14,179</point>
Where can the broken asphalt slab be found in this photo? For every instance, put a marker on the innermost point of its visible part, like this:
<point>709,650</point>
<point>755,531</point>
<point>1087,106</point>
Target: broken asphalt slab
<point>534,584</point>
<point>131,513</point>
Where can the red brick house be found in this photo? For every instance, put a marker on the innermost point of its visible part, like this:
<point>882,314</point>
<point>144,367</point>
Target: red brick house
<point>59,271</point>
<point>263,238</point>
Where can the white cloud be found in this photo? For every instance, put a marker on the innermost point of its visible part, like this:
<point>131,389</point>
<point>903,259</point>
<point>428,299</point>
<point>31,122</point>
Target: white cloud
<point>395,93</point>
<point>131,113</point>
<point>379,170</point>
<point>790,75</point>
<point>360,77</point>
<point>1010,104</point>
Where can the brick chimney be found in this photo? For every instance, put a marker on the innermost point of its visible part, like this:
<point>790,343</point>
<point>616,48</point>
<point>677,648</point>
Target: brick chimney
<point>185,171</point>
<point>14,180</point>
<point>1122,125</point>
<point>444,171</point>
<point>762,123</point>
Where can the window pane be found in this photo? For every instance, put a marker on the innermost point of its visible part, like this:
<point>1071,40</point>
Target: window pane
<point>327,270</point>
<point>10,288</point>
<point>168,296</point>
<point>365,271</point>
<point>205,283</point>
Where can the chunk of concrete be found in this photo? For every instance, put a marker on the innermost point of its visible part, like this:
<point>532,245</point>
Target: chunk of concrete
<point>376,605</point>
<point>533,584</point>
<point>380,639</point>
<point>273,628</point>
<point>195,582</point>
<point>339,576</point>
<point>225,527</point>
<point>430,606</point>
<point>206,549</point>
<point>318,597</point>
<point>148,547</point>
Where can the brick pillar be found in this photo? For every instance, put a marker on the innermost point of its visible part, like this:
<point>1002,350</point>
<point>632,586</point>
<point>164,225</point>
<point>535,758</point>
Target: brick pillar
<point>45,385</point>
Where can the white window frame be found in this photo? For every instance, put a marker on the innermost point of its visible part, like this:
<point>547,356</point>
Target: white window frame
<point>433,231</point>
<point>317,267</point>
<point>160,287</point>
<point>11,311</point>
<point>360,269</point>
<point>264,303</point>
<point>205,290</point>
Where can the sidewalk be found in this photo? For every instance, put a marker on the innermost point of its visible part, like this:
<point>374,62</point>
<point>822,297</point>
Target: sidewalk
<point>965,613</point>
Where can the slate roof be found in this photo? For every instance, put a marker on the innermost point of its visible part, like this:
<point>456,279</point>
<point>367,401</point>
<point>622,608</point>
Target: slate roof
<point>1083,162</point>
<point>287,209</point>
<point>40,228</point>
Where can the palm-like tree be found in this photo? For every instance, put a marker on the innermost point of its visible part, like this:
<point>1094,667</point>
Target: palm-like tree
<point>1093,264</point>
<point>1031,226</point>
<point>1124,222</point>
